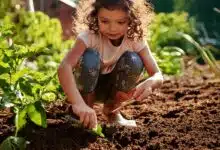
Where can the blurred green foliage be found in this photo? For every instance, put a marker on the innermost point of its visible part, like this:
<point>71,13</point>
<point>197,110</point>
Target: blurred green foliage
<point>36,28</point>
<point>208,20</point>
<point>4,7</point>
<point>163,30</point>
<point>21,85</point>
<point>40,32</point>
<point>8,6</point>
<point>166,44</point>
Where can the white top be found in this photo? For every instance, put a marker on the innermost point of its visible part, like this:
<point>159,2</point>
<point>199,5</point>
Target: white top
<point>109,54</point>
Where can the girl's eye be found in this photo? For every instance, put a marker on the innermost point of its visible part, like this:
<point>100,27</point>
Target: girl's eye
<point>104,21</point>
<point>123,22</point>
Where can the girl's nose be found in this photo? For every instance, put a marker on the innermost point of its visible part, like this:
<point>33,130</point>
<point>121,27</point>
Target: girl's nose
<point>112,28</point>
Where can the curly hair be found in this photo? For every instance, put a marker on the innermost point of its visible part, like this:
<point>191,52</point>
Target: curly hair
<point>140,13</point>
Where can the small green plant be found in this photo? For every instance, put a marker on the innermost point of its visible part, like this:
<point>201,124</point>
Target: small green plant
<point>98,131</point>
<point>76,123</point>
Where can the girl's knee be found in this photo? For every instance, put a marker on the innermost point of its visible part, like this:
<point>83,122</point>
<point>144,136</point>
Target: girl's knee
<point>132,62</point>
<point>127,71</point>
<point>88,71</point>
<point>90,59</point>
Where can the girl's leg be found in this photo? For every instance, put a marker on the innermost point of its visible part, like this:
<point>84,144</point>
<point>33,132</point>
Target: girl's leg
<point>86,75</point>
<point>127,71</point>
<point>124,78</point>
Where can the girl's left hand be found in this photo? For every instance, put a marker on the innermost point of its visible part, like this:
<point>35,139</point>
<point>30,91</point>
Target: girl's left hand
<point>143,90</point>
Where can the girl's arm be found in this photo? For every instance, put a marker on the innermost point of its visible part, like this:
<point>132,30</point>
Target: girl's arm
<point>154,81</point>
<point>87,115</point>
<point>65,74</point>
<point>151,66</point>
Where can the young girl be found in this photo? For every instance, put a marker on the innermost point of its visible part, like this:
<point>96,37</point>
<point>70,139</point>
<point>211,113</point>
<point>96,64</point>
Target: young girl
<point>107,60</point>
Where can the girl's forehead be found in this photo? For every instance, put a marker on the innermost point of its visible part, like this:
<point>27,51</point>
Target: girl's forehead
<point>116,14</point>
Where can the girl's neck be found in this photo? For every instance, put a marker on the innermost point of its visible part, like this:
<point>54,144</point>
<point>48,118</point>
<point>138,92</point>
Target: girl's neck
<point>117,42</point>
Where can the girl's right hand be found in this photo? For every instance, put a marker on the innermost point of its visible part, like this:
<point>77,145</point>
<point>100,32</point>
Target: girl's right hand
<point>86,114</point>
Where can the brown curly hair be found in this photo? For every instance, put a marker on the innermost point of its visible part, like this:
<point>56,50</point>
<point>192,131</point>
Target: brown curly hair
<point>140,13</point>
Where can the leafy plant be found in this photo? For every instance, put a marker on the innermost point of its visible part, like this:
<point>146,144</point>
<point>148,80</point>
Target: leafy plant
<point>22,88</point>
<point>170,60</point>
<point>36,30</point>
<point>167,47</point>
<point>163,29</point>
<point>8,6</point>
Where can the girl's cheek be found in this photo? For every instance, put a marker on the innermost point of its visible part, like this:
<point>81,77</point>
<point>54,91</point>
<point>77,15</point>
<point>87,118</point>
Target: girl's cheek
<point>125,29</point>
<point>101,28</point>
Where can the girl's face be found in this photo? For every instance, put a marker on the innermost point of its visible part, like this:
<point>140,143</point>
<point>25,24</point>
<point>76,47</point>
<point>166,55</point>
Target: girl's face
<point>113,23</point>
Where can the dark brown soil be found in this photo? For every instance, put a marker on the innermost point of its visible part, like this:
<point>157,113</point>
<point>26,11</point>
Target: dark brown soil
<point>183,114</point>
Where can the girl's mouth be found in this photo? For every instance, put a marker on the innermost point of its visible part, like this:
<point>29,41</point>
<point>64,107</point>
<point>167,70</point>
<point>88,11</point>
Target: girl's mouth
<point>113,35</point>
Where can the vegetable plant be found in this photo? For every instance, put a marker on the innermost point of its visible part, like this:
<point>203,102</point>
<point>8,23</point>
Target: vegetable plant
<point>37,30</point>
<point>22,89</point>
<point>167,47</point>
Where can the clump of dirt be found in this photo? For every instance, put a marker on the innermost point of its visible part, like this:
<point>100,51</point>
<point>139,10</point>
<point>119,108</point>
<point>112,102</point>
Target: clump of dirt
<point>183,114</point>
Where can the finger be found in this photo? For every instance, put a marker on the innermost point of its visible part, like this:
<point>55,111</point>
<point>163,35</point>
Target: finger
<point>86,120</point>
<point>75,111</point>
<point>144,94</point>
<point>131,92</point>
<point>95,121</point>
<point>138,92</point>
<point>92,123</point>
<point>82,117</point>
<point>140,97</point>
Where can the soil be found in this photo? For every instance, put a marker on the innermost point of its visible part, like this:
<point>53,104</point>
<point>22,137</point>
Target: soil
<point>183,114</point>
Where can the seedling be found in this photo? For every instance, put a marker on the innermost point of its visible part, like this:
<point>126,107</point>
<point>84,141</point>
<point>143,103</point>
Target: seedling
<point>75,122</point>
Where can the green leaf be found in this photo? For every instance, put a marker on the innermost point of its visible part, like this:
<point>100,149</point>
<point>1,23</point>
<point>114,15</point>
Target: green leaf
<point>98,131</point>
<point>49,96</point>
<point>20,119</point>
<point>4,68</point>
<point>37,114</point>
<point>19,74</point>
<point>14,143</point>
<point>25,86</point>
<point>4,84</point>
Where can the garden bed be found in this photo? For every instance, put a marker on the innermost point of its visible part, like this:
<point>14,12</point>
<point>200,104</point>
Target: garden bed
<point>183,114</point>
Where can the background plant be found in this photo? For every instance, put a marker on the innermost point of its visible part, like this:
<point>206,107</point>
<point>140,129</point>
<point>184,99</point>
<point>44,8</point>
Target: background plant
<point>44,34</point>
<point>207,20</point>
<point>167,47</point>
